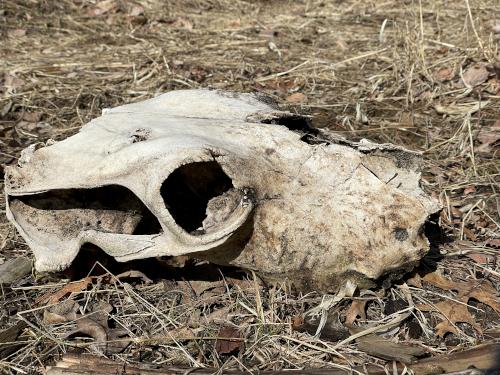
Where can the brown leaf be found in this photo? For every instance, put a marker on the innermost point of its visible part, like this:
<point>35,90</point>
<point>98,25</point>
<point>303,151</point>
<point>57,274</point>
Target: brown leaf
<point>357,308</point>
<point>438,280</point>
<point>489,138</point>
<point>455,313</point>
<point>415,281</point>
<point>219,315</point>
<point>29,116</point>
<point>235,23</point>
<point>493,242</point>
<point>182,23</point>
<point>333,329</point>
<point>94,324</point>
<point>94,329</point>
<point>444,327</point>
<point>443,74</point>
<point>103,7</point>
<point>228,341</point>
<point>475,75</point>
<point>12,82</point>
<point>135,10</point>
<point>199,286</point>
<point>469,190</point>
<point>74,287</point>
<point>16,33</point>
<point>297,322</point>
<point>481,258</point>
<point>246,284</point>
<point>281,85</point>
<point>53,318</point>
<point>469,233</point>
<point>482,290</point>
<point>61,313</point>
<point>297,97</point>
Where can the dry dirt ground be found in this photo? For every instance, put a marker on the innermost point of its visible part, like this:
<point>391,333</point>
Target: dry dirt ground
<point>423,74</point>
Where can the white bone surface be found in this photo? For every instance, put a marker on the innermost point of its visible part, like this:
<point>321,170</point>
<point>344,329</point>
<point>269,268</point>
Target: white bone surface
<point>315,213</point>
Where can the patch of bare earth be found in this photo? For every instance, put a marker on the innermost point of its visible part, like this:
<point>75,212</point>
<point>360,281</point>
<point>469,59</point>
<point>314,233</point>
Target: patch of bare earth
<point>425,75</point>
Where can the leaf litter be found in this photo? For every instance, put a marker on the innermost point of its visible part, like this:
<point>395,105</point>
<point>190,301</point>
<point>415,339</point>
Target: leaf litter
<point>409,85</point>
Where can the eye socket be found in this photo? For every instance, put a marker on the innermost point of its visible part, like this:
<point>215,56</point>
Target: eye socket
<point>187,191</point>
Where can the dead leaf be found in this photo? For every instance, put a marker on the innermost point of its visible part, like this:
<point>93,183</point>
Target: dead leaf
<point>16,33</point>
<point>94,329</point>
<point>341,43</point>
<point>481,258</point>
<point>29,116</point>
<point>489,138</point>
<point>297,322</point>
<point>493,332</point>
<point>415,281</point>
<point>443,74</point>
<point>182,23</point>
<point>95,324</point>
<point>475,75</point>
<point>219,315</point>
<point>61,313</point>
<point>357,309</point>
<point>481,290</point>
<point>199,286</point>
<point>469,234</point>
<point>12,82</point>
<point>228,341</point>
<point>103,7</point>
<point>438,280</point>
<point>469,190</point>
<point>333,329</point>
<point>493,242</point>
<point>281,85</point>
<point>454,313</point>
<point>297,97</point>
<point>135,10</point>
<point>53,318</point>
<point>388,350</point>
<point>74,287</point>
<point>178,334</point>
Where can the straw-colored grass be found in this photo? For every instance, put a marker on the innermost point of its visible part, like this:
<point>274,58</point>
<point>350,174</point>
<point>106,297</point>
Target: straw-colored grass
<point>391,71</point>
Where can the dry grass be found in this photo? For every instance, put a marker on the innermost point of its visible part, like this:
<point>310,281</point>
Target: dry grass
<point>390,71</point>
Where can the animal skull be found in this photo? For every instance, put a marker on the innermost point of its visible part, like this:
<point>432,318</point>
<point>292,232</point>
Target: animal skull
<point>224,177</point>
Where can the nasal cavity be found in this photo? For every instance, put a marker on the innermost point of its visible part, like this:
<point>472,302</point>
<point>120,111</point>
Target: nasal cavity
<point>188,190</point>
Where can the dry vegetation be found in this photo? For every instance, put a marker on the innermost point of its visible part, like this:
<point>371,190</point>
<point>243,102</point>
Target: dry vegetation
<point>425,75</point>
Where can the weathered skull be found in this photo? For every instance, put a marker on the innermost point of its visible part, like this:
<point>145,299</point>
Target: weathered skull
<point>224,177</point>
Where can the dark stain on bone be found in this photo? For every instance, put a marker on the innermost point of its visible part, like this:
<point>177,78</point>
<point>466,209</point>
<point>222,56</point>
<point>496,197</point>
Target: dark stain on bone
<point>140,135</point>
<point>298,124</point>
<point>401,234</point>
